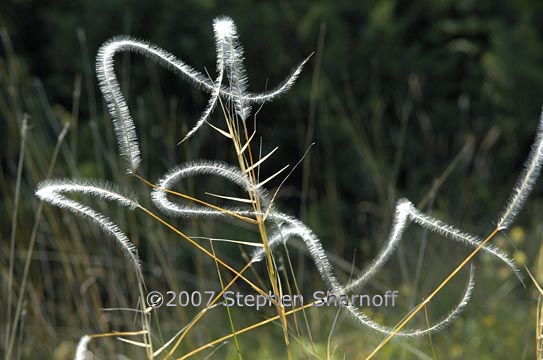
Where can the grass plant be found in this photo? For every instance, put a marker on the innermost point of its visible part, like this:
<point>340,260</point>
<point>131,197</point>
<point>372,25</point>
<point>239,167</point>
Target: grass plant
<point>250,206</point>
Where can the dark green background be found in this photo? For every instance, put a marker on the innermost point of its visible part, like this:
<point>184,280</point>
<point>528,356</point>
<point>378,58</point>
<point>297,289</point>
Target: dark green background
<point>398,90</point>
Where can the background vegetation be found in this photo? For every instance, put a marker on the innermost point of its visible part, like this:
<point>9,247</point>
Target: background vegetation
<point>436,101</point>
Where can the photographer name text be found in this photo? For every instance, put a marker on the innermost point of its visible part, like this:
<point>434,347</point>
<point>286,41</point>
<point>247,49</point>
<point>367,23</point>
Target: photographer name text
<point>156,299</point>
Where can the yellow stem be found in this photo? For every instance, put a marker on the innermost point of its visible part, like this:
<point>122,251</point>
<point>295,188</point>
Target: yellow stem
<point>432,295</point>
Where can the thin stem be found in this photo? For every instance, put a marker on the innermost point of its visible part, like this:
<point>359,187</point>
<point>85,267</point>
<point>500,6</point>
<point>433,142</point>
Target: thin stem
<point>33,238</point>
<point>244,330</point>
<point>199,247</point>
<point>202,313</point>
<point>433,294</point>
<point>24,129</point>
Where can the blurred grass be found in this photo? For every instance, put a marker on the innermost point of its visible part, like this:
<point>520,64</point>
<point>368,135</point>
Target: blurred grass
<point>401,90</point>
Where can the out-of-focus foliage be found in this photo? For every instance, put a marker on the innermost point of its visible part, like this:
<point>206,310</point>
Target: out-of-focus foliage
<point>456,68</point>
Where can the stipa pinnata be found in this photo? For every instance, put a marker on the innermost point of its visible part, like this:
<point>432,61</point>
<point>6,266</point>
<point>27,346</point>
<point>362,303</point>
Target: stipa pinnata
<point>231,87</point>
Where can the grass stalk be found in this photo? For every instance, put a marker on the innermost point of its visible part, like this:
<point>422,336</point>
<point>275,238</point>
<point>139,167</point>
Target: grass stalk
<point>24,130</point>
<point>31,245</point>
<point>419,307</point>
